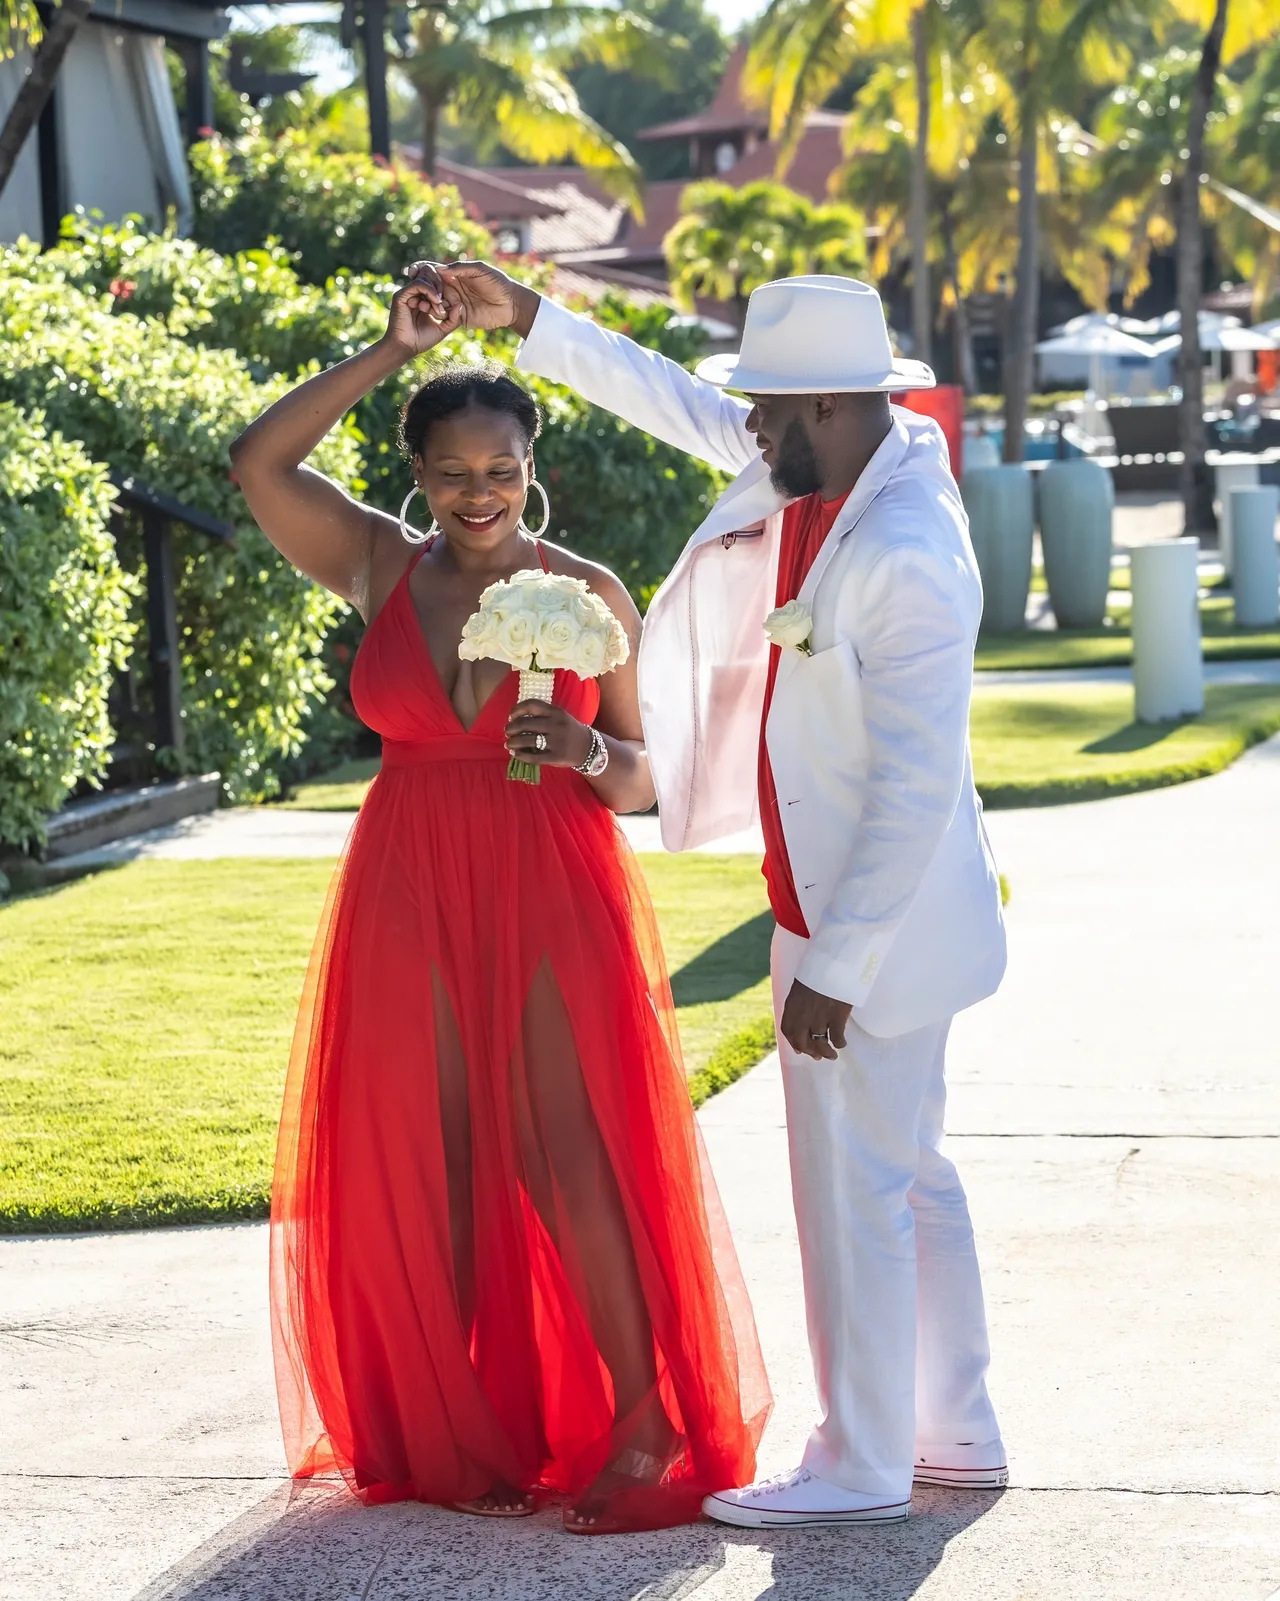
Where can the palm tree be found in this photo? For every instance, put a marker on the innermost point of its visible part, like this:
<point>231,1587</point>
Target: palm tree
<point>968,226</point>
<point>730,241</point>
<point>500,69</point>
<point>1230,28</point>
<point>803,51</point>
<point>1047,56</point>
<point>1249,154</point>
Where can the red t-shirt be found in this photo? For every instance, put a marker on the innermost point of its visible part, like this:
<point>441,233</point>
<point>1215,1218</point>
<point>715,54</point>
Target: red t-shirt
<point>805,526</point>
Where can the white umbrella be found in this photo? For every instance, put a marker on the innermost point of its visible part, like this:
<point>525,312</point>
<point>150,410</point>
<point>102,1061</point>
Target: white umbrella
<point>1236,339</point>
<point>1097,341</point>
<point>1101,319</point>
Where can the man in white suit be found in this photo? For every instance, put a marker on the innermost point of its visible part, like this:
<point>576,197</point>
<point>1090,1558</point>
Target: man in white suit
<point>851,736</point>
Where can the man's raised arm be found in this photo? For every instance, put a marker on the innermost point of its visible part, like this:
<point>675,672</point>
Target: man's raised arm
<point>639,385</point>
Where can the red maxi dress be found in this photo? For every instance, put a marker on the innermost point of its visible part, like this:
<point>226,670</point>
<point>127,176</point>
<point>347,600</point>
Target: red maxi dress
<point>490,1192</point>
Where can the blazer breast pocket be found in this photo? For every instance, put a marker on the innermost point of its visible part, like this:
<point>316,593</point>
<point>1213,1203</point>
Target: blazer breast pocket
<point>822,703</point>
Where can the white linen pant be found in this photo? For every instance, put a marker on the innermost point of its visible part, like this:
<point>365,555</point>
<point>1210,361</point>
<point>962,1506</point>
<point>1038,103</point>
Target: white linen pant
<point>893,1295</point>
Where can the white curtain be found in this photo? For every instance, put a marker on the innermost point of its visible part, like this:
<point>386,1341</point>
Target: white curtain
<point>20,199</point>
<point>160,121</point>
<point>120,139</point>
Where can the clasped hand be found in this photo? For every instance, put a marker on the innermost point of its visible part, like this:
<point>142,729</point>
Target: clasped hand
<point>568,741</point>
<point>814,1025</point>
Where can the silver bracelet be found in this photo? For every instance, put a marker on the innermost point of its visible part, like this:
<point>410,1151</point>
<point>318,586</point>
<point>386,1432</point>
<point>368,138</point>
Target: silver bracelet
<point>597,757</point>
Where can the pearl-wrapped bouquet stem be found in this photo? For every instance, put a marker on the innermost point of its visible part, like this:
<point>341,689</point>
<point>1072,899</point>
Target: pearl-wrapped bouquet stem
<point>534,685</point>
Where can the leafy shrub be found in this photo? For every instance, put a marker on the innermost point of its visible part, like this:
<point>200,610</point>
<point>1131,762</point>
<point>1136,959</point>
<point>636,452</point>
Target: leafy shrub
<point>153,405</point>
<point>334,212</point>
<point>617,495</point>
<point>65,624</point>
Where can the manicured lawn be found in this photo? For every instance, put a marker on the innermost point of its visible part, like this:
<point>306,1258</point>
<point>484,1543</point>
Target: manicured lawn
<point>1033,745</point>
<point>339,790</point>
<point>1042,745</point>
<point>148,1012</point>
<point>1112,646</point>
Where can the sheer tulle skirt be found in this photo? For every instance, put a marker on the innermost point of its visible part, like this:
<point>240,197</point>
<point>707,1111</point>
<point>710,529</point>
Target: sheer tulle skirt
<point>498,1257</point>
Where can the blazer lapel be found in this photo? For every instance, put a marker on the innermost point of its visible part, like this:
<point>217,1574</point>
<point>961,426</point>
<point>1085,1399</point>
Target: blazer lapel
<point>749,501</point>
<point>877,473</point>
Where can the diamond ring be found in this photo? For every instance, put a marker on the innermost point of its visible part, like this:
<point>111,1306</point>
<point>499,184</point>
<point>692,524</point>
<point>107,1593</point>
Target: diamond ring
<point>540,742</point>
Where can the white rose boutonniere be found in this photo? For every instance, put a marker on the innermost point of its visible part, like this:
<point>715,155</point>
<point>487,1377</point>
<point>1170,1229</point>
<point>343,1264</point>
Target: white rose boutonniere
<point>791,627</point>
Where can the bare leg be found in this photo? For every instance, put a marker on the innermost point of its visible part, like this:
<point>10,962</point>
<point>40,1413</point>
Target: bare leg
<point>572,1183</point>
<point>501,1499</point>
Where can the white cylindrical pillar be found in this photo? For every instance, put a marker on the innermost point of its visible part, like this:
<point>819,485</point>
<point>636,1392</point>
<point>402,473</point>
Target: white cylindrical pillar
<point>1232,472</point>
<point>1255,563</point>
<point>1168,670</point>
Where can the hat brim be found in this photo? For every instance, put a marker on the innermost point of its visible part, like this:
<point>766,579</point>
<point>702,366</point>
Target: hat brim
<point>727,372</point>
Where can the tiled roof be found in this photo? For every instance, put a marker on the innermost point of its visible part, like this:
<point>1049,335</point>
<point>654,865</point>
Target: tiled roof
<point>495,195</point>
<point>581,222</point>
<point>817,157</point>
<point>725,114</point>
<point>571,283</point>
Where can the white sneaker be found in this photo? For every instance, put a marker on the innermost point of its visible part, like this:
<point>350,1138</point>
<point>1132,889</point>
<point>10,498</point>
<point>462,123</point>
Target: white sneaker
<point>793,1499</point>
<point>962,1467</point>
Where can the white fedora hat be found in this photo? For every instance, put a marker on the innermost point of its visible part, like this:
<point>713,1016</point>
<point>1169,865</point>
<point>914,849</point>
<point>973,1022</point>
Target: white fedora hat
<point>815,336</point>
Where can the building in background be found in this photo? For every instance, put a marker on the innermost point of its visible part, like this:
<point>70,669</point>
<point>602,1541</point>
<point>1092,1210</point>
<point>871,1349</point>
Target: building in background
<point>565,216</point>
<point>110,138</point>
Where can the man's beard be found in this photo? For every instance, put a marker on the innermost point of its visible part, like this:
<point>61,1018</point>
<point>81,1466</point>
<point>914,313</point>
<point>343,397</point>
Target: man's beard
<point>796,473</point>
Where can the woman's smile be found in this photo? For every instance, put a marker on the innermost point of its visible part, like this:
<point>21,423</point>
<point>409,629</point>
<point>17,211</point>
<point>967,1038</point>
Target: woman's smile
<point>480,521</point>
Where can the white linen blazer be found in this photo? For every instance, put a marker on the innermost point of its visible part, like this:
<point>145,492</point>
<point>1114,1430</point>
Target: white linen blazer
<point>868,738</point>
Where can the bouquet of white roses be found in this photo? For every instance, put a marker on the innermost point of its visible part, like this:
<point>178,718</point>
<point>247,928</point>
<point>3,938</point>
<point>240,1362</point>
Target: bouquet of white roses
<point>537,623</point>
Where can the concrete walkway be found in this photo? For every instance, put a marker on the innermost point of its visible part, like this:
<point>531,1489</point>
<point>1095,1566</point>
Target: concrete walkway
<point>269,831</point>
<point>1116,1113</point>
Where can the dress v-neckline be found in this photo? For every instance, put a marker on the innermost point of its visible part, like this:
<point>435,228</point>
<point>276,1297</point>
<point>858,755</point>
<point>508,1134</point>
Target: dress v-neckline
<point>433,670</point>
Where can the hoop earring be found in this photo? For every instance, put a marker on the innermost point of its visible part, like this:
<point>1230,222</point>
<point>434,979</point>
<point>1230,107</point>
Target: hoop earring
<point>546,512</point>
<point>411,534</point>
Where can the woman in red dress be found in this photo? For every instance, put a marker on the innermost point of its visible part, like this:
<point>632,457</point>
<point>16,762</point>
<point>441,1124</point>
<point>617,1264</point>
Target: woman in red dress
<point>499,1267</point>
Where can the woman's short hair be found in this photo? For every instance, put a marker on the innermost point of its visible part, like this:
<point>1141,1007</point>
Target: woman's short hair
<point>460,384</point>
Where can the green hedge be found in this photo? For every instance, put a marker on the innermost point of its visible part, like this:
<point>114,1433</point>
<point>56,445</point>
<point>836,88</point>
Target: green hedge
<point>334,212</point>
<point>65,623</point>
<point>145,402</point>
<point>156,351</point>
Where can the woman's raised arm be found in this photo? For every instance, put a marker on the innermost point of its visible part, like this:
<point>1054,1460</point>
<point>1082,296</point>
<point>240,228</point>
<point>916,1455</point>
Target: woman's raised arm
<point>310,520</point>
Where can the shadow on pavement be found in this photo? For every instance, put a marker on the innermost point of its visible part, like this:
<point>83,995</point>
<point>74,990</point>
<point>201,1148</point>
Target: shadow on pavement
<point>315,1543</point>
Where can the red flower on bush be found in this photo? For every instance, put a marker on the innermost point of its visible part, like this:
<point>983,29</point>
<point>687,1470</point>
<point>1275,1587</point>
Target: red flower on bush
<point>554,475</point>
<point>342,652</point>
<point>122,288</point>
<point>205,133</point>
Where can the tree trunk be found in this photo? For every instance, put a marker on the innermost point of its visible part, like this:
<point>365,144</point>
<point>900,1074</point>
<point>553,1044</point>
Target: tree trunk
<point>921,304</point>
<point>1019,354</point>
<point>966,369</point>
<point>38,84</point>
<point>1193,476</point>
<point>430,132</point>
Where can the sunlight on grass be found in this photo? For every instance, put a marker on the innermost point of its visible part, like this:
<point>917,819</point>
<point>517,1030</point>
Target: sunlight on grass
<point>148,1013</point>
<point>1046,744</point>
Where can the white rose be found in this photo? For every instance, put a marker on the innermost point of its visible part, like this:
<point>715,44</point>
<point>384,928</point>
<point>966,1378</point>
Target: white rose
<point>479,634</point>
<point>583,611</point>
<point>589,655</point>
<point>557,641</point>
<point>514,640</point>
<point>619,647</point>
<point>790,626</point>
